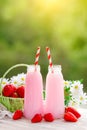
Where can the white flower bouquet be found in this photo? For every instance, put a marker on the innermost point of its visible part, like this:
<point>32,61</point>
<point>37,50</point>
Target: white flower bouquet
<point>74,94</point>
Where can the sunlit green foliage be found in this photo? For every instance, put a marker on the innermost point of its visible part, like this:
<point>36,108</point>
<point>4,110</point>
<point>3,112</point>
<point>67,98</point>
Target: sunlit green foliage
<point>59,24</point>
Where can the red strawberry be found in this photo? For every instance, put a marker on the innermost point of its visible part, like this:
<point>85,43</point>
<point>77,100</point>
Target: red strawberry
<point>14,95</point>
<point>36,118</point>
<point>8,90</point>
<point>20,91</point>
<point>17,115</point>
<point>48,117</point>
<point>68,116</point>
<point>74,111</point>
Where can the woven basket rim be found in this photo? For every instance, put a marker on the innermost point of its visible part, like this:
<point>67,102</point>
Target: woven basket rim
<point>11,97</point>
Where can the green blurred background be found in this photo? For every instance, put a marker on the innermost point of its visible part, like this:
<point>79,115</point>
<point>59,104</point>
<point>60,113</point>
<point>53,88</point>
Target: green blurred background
<point>59,24</point>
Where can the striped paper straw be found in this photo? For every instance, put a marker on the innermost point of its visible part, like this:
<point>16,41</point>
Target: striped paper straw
<point>49,58</point>
<point>37,57</point>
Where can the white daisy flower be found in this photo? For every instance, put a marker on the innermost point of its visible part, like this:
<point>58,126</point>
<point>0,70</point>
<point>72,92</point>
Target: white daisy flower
<point>76,88</point>
<point>82,98</point>
<point>21,78</point>
<point>4,82</point>
<point>18,80</point>
<point>67,83</point>
<point>73,103</point>
<point>15,81</point>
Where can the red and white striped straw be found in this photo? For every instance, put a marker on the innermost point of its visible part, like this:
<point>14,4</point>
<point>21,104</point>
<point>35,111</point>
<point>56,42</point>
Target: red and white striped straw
<point>37,56</point>
<point>49,58</point>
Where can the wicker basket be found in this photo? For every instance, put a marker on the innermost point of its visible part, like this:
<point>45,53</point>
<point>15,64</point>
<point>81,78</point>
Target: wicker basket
<point>12,104</point>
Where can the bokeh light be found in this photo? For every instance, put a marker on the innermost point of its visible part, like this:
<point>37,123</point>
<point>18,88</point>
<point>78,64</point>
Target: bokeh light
<point>60,24</point>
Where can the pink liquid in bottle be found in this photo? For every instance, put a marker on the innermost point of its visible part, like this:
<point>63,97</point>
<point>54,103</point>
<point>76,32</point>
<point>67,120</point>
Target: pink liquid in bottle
<point>33,100</point>
<point>55,93</point>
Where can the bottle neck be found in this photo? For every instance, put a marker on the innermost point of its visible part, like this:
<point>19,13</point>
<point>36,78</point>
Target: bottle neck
<point>56,69</point>
<point>33,68</point>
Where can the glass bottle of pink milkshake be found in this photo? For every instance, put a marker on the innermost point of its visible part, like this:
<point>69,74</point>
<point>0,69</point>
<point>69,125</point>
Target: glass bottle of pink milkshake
<point>33,100</point>
<point>55,92</point>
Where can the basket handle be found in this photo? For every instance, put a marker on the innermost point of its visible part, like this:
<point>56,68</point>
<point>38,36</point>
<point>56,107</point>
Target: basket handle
<point>15,66</point>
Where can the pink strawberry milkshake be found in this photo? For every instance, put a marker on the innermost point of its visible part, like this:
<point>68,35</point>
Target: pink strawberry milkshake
<point>33,100</point>
<point>55,92</point>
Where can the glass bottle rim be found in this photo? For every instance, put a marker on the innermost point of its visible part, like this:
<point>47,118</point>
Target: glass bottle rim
<point>55,67</point>
<point>33,67</point>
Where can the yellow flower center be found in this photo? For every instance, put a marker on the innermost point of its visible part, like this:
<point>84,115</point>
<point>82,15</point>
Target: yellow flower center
<point>66,83</point>
<point>3,82</point>
<point>22,79</point>
<point>15,82</point>
<point>76,87</point>
<point>81,98</point>
<point>73,103</point>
